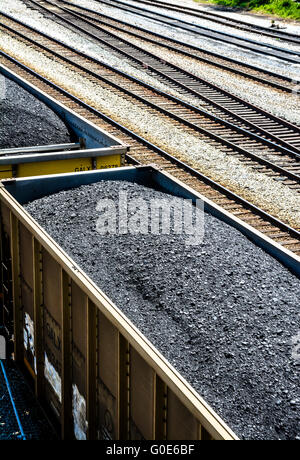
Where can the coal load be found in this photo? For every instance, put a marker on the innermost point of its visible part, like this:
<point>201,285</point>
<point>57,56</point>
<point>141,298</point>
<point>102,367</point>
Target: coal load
<point>25,121</point>
<point>224,313</point>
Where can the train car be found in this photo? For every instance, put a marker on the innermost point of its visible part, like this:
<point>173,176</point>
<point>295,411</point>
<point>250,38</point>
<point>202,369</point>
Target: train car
<point>91,367</point>
<point>92,148</point>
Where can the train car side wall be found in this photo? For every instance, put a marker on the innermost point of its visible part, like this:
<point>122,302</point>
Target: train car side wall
<point>96,372</point>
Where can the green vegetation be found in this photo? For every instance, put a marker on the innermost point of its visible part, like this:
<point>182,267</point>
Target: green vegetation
<point>282,8</point>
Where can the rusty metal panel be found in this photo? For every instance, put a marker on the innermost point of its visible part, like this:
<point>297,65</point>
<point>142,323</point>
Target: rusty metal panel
<point>79,338</point>
<point>67,431</point>
<point>5,216</point>
<point>16,288</point>
<point>27,296</point>
<point>142,398</point>
<point>6,309</point>
<point>26,269</point>
<point>38,317</point>
<point>124,388</point>
<point>79,361</point>
<point>204,434</point>
<point>52,331</point>
<point>107,379</point>
<point>161,409</point>
<point>181,425</point>
<point>92,331</point>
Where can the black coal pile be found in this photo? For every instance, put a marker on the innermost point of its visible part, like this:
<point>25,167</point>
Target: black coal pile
<point>25,121</point>
<point>224,313</point>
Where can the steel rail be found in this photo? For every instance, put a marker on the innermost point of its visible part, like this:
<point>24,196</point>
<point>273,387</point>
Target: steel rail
<point>292,134</point>
<point>294,130</point>
<point>192,77</point>
<point>191,47</point>
<point>23,436</point>
<point>204,31</point>
<point>168,113</point>
<point>226,21</point>
<point>255,210</point>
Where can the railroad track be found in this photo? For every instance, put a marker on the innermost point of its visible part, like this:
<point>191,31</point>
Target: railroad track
<point>224,20</point>
<point>282,160</point>
<point>12,423</point>
<point>24,419</point>
<point>108,23</point>
<point>143,152</point>
<point>245,43</point>
<point>213,98</point>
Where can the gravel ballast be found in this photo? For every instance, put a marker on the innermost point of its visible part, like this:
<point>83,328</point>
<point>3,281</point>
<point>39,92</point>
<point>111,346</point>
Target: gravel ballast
<point>260,19</point>
<point>232,51</point>
<point>264,191</point>
<point>217,27</point>
<point>8,425</point>
<point>32,418</point>
<point>224,313</point>
<point>25,121</point>
<point>273,101</point>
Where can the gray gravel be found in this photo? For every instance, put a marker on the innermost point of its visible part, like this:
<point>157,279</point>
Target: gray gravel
<point>33,420</point>
<point>217,27</point>
<point>223,313</point>
<point>251,17</point>
<point>25,121</point>
<point>266,62</point>
<point>280,201</point>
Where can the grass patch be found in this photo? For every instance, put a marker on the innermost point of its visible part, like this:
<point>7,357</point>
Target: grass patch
<point>281,8</point>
